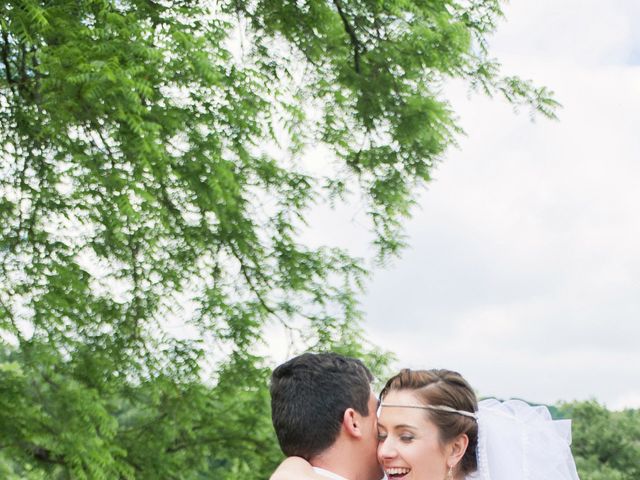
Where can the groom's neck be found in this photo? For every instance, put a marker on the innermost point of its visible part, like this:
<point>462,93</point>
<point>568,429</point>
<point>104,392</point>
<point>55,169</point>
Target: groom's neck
<point>340,459</point>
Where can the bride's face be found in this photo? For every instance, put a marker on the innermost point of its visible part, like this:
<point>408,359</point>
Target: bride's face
<point>409,447</point>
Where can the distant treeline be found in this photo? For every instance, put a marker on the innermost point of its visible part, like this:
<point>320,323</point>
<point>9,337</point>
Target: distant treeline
<point>606,444</point>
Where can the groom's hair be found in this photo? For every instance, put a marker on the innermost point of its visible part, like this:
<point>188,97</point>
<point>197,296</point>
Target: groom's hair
<point>309,395</point>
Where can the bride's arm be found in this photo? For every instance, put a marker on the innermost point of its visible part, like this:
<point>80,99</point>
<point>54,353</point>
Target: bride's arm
<point>295,468</point>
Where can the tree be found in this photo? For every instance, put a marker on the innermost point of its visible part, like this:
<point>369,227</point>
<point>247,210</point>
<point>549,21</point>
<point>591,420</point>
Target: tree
<point>606,444</point>
<point>151,182</point>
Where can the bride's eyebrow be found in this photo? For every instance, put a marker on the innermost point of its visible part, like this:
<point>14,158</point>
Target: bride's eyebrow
<point>398,427</point>
<point>405,425</point>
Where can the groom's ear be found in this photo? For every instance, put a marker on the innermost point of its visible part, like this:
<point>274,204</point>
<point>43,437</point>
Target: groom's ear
<point>352,423</point>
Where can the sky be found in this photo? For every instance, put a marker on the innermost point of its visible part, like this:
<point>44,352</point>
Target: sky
<point>523,265</point>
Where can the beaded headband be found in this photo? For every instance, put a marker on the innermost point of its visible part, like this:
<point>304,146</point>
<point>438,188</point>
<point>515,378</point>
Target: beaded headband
<point>442,408</point>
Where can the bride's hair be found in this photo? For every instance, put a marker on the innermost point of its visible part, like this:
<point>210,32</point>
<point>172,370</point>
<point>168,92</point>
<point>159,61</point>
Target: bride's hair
<point>443,388</point>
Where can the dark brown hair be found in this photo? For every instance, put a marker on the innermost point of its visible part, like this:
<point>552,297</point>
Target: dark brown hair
<point>444,388</point>
<point>309,395</point>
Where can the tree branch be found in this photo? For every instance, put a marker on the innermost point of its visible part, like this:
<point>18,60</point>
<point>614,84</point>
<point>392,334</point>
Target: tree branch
<point>43,454</point>
<point>5,58</point>
<point>256,291</point>
<point>357,46</point>
<point>12,320</point>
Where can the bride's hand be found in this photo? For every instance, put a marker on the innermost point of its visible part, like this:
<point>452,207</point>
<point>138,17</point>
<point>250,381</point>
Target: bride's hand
<point>295,468</point>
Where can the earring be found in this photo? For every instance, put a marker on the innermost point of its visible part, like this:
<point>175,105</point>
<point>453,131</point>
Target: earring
<point>450,473</point>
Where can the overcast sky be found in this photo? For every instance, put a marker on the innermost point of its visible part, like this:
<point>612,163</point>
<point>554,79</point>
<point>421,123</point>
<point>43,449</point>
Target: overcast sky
<point>523,271</point>
<point>524,266</point>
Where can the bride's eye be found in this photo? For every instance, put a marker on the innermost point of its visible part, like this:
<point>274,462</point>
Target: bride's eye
<point>406,438</point>
<point>382,436</point>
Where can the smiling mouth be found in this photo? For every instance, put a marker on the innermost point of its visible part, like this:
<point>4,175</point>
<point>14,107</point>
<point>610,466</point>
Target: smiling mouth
<point>396,473</point>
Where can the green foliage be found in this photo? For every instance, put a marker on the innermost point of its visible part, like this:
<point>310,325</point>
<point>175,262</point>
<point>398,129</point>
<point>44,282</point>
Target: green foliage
<point>152,197</point>
<point>606,444</point>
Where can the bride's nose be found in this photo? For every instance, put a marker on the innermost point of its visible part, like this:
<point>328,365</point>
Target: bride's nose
<point>386,449</point>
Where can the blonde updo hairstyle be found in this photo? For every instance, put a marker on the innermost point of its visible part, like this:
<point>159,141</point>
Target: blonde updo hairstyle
<point>443,388</point>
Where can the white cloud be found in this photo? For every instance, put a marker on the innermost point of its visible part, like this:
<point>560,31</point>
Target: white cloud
<point>570,31</point>
<point>524,270</point>
<point>524,266</point>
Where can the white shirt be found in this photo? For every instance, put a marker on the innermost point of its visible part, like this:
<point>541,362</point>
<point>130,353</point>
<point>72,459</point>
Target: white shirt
<point>328,474</point>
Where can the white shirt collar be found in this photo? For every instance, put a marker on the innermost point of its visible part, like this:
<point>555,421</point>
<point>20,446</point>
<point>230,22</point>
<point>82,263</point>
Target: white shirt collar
<point>328,474</point>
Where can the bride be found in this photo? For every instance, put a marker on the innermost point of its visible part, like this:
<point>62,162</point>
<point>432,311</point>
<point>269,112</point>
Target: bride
<point>431,427</point>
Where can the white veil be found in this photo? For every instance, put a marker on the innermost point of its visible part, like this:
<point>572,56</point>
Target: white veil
<point>518,441</point>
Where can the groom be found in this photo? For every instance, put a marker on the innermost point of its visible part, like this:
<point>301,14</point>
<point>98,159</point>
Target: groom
<point>324,410</point>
